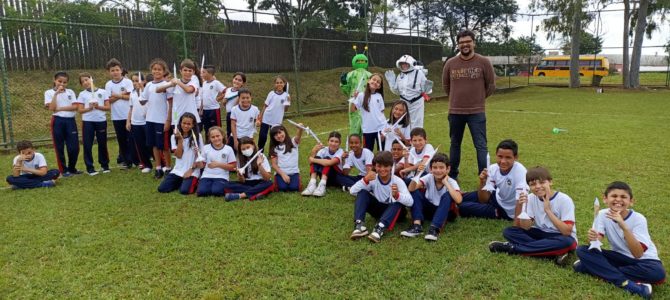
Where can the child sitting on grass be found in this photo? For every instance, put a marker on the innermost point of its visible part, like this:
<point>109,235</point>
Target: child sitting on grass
<point>30,169</point>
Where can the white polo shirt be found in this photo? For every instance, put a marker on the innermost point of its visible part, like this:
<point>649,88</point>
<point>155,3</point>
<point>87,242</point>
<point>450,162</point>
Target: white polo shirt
<point>373,120</point>
<point>66,98</point>
<point>637,224</point>
<point>433,194</point>
<point>562,207</point>
<point>87,97</point>
<point>274,108</point>
<point>224,155</point>
<point>245,120</point>
<point>120,107</point>
<point>38,161</point>
<point>360,163</point>
<point>505,185</point>
<point>288,162</point>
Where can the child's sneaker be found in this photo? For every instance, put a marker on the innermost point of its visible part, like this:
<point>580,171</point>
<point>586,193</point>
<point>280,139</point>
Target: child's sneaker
<point>146,170</point>
<point>48,183</point>
<point>106,171</point>
<point>123,166</point>
<point>636,288</point>
<point>577,266</point>
<point>359,230</point>
<point>158,174</point>
<point>376,235</point>
<point>320,190</point>
<point>413,231</point>
<point>563,259</point>
<point>503,247</point>
<point>92,172</point>
<point>310,188</point>
<point>232,197</point>
<point>433,233</point>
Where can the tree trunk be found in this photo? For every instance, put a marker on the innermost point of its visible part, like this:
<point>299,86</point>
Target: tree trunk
<point>626,42</point>
<point>574,44</point>
<point>637,44</point>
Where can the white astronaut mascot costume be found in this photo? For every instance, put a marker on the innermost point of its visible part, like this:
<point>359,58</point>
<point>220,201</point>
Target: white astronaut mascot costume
<point>412,87</point>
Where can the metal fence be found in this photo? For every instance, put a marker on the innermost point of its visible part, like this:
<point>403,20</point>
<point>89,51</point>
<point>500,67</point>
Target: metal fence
<point>35,44</point>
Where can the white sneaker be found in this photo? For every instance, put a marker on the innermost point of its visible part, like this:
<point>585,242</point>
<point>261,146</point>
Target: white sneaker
<point>320,190</point>
<point>146,170</point>
<point>310,188</point>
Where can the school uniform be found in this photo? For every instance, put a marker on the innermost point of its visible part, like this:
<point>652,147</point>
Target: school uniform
<point>543,238</point>
<point>390,137</point>
<point>94,125</point>
<point>175,179</point>
<point>373,121</point>
<point>64,131</point>
<point>275,104</point>
<point>211,109</point>
<point>359,163</point>
<point>138,129</point>
<point>157,114</point>
<point>410,86</point>
<point>619,265</point>
<point>504,189</point>
<point>214,180</point>
<point>288,162</point>
<point>254,185</point>
<point>230,97</point>
<point>375,198</point>
<point>183,102</point>
<point>245,121</point>
<point>330,171</point>
<point>415,157</point>
<point>119,114</point>
<point>433,203</point>
<point>28,180</point>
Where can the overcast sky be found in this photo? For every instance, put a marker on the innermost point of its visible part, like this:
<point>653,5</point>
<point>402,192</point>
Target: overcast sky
<point>610,28</point>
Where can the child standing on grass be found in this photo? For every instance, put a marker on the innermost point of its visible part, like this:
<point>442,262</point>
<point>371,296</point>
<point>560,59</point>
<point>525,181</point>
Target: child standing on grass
<point>551,230</point>
<point>325,162</point>
<point>276,103</point>
<point>184,176</point>
<point>212,92</point>
<point>499,185</point>
<point>285,159</point>
<point>230,98</point>
<point>359,158</point>
<point>219,160</point>
<point>633,263</point>
<point>243,118</point>
<point>400,131</point>
<point>183,93</point>
<point>29,169</point>
<point>136,122</point>
<point>255,178</point>
<point>382,195</point>
<point>92,104</point>
<point>371,106</point>
<point>417,155</point>
<point>119,89</point>
<point>434,196</point>
<point>60,100</point>
<point>157,121</point>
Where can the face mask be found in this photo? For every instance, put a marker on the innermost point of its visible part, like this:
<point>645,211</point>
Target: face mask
<point>248,152</point>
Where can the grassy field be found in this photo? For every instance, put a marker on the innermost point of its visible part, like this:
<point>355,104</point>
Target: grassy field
<point>114,236</point>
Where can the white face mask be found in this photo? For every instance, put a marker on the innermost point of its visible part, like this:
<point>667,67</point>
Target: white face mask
<point>248,152</point>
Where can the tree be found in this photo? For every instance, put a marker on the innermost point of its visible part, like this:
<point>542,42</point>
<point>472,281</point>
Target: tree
<point>520,47</point>
<point>589,44</point>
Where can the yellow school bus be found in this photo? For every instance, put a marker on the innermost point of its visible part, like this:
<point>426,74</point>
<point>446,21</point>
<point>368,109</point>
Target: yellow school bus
<point>559,66</point>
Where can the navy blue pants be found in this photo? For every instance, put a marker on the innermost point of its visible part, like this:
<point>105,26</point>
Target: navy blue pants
<point>228,128</point>
<point>347,180</point>
<point>471,207</point>
<point>124,140</point>
<point>210,118</point>
<point>263,136</point>
<point>30,181</point>
<point>422,209</point>
<point>330,171</point>
<point>477,125</point>
<point>172,182</point>
<point>97,131</point>
<point>64,133</point>
<point>292,186</point>
<point>143,152</point>
<point>370,140</point>
<point>211,187</point>
<point>253,188</point>
<point>535,242</point>
<point>387,214</point>
<point>616,268</point>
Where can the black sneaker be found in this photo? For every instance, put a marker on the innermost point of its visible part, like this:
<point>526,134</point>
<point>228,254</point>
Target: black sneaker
<point>433,233</point>
<point>503,247</point>
<point>642,289</point>
<point>359,230</point>
<point>563,259</point>
<point>123,166</point>
<point>413,231</point>
<point>376,235</point>
<point>158,174</point>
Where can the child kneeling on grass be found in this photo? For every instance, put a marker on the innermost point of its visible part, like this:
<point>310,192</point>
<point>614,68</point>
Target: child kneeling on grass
<point>381,194</point>
<point>30,169</point>
<point>253,172</point>
<point>435,196</point>
<point>549,230</point>
<point>633,263</point>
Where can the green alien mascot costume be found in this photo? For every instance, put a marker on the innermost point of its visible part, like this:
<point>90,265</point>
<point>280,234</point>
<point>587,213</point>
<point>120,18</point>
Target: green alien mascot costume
<point>353,83</point>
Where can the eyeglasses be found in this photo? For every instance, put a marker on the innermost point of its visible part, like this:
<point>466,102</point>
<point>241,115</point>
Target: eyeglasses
<point>465,42</point>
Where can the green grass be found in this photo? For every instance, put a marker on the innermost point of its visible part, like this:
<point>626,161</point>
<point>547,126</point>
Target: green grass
<point>114,236</point>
